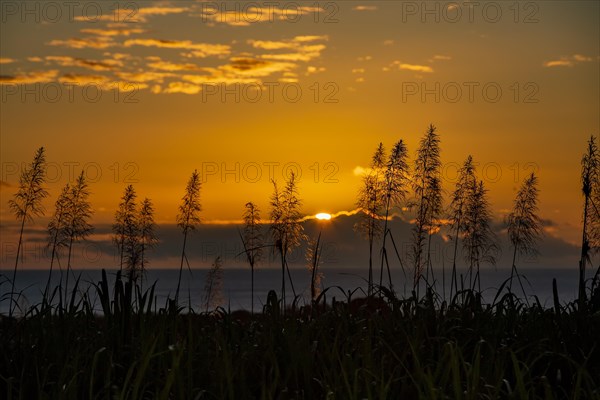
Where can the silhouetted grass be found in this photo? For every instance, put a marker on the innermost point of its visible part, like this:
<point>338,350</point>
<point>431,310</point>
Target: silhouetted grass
<point>376,347</point>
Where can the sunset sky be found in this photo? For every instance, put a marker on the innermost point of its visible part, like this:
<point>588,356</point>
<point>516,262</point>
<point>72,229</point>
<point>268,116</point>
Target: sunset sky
<point>147,93</point>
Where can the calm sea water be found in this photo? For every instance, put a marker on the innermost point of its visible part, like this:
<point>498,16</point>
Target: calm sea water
<point>237,293</point>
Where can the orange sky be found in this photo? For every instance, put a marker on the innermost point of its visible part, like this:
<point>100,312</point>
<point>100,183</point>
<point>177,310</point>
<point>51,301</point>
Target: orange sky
<point>147,94</point>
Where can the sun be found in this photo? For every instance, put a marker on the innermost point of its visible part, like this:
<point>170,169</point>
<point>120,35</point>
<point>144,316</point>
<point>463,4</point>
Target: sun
<point>323,216</point>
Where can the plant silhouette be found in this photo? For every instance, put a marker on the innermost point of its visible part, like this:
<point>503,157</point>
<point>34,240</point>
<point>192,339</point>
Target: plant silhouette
<point>286,227</point>
<point>27,203</point>
<point>78,216</point>
<point>427,187</point>
<point>187,219</point>
<point>125,229</point>
<point>524,225</point>
<point>396,180</point>
<point>371,201</point>
<point>590,187</point>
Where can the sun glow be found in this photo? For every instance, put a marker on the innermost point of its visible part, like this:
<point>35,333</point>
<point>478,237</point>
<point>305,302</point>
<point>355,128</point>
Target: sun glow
<point>323,216</point>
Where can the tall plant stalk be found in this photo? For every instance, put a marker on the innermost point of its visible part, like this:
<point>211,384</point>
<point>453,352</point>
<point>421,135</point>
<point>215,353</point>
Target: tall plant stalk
<point>27,203</point>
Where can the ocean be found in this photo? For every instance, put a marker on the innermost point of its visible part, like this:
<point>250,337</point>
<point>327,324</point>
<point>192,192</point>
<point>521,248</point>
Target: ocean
<point>236,288</point>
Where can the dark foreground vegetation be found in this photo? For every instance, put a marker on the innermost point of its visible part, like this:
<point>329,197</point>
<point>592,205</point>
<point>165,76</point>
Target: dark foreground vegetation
<point>376,347</point>
<point>353,348</point>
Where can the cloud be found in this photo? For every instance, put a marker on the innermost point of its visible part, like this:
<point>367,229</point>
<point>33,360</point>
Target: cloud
<point>361,171</point>
<point>412,67</point>
<point>310,38</point>
<point>162,65</point>
<point>568,61</point>
<point>291,56</point>
<point>5,60</point>
<point>365,8</point>
<point>84,79</point>
<point>126,86</point>
<point>103,65</point>
<point>147,11</point>
<point>132,15</point>
<point>182,87</point>
<point>112,31</point>
<point>271,45</point>
<point>83,43</point>
<point>313,70</point>
<point>303,48</point>
<point>580,58</point>
<point>144,76</point>
<point>104,82</point>
<point>199,50</point>
<point>439,57</point>
<point>559,63</point>
<point>218,77</point>
<point>247,15</point>
<point>244,70</point>
<point>31,77</point>
<point>247,66</point>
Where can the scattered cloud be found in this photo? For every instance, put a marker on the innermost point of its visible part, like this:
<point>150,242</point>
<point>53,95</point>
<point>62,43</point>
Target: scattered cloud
<point>271,45</point>
<point>199,50</point>
<point>247,66</point>
<point>244,70</point>
<point>558,63</point>
<point>361,171</point>
<point>101,42</point>
<point>313,70</point>
<point>84,79</point>
<point>104,82</point>
<point>159,64</point>
<point>365,8</point>
<point>302,48</point>
<point>131,15</point>
<point>251,15</point>
<point>31,77</point>
<point>144,76</point>
<point>292,56</point>
<point>568,61</point>
<point>412,67</point>
<point>118,56</point>
<point>388,42</point>
<point>217,77</point>
<point>182,87</point>
<point>112,31</point>
<point>310,38</point>
<point>5,60</point>
<point>101,65</point>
